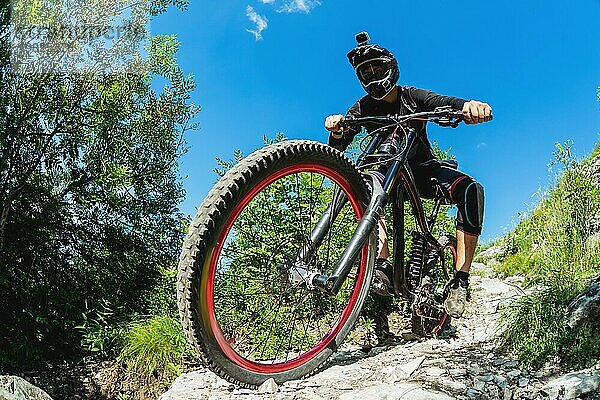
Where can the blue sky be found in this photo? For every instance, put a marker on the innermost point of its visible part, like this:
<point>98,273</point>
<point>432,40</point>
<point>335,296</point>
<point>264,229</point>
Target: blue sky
<point>268,66</point>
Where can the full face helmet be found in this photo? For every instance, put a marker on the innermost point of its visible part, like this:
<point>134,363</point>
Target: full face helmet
<point>376,67</point>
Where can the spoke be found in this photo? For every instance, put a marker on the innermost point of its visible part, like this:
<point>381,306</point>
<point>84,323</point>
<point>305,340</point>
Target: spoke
<point>245,321</point>
<point>253,236</point>
<point>254,217</point>
<point>289,203</point>
<point>248,278</point>
<point>293,323</point>
<point>244,253</point>
<point>315,309</point>
<point>333,201</point>
<point>299,204</point>
<point>272,325</point>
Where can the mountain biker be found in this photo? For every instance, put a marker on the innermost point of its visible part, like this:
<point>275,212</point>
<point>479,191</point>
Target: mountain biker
<point>378,73</point>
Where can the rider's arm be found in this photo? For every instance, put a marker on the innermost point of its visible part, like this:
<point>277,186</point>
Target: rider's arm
<point>474,111</point>
<point>428,101</point>
<point>347,136</point>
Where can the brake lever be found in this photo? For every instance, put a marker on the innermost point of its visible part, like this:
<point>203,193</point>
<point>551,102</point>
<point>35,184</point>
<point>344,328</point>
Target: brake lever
<point>449,118</point>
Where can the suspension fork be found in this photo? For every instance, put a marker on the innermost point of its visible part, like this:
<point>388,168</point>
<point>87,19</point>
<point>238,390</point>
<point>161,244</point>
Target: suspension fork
<point>321,229</point>
<point>379,198</point>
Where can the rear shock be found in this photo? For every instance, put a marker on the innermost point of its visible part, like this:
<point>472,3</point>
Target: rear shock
<point>416,261</point>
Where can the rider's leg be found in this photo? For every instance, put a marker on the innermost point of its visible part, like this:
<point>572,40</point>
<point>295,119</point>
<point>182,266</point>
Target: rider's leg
<point>384,251</point>
<point>465,250</point>
<point>469,199</point>
<point>382,278</point>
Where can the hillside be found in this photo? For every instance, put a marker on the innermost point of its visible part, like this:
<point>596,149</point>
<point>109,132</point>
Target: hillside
<point>555,248</point>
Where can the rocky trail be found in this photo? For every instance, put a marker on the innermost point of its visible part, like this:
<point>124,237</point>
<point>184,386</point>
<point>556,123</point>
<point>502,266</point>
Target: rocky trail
<point>465,363</point>
<point>462,365</point>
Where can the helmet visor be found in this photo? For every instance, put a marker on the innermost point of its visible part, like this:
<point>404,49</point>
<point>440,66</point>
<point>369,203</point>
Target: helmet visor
<point>373,70</point>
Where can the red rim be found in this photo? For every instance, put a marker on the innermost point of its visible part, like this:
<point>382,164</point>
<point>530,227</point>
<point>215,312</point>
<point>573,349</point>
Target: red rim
<point>216,251</point>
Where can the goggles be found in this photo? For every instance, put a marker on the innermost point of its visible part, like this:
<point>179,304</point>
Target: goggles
<point>373,70</point>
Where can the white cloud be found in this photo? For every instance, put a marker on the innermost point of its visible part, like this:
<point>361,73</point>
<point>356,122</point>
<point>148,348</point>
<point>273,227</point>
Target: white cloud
<point>260,21</point>
<point>304,6</point>
<point>482,145</point>
<point>267,1</point>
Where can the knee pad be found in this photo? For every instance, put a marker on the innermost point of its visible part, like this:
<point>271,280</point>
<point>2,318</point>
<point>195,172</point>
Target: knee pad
<point>469,198</point>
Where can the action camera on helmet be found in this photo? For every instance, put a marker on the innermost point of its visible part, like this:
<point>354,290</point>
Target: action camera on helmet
<point>362,38</point>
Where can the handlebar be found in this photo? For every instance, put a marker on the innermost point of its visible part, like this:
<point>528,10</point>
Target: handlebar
<point>443,116</point>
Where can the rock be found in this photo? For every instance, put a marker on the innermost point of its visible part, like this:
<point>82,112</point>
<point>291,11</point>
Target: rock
<point>475,369</point>
<point>402,372</point>
<point>268,386</point>
<point>195,384</point>
<point>573,385</point>
<point>499,361</point>
<point>457,372</point>
<point>394,392</point>
<point>515,373</point>
<point>593,241</point>
<point>435,371</point>
<point>473,394</point>
<point>507,394</point>
<point>485,378</point>
<point>409,368</point>
<point>523,382</point>
<point>586,306</point>
<point>501,381</point>
<point>493,253</point>
<point>343,386</point>
<point>493,392</point>
<point>15,388</point>
<point>478,385</point>
<point>376,350</point>
<point>511,364</point>
<point>453,386</point>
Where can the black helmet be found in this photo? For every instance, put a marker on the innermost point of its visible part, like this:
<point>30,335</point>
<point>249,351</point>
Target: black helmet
<point>375,66</point>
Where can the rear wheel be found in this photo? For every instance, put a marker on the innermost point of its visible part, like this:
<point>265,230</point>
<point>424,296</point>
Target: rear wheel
<point>244,306</point>
<point>428,313</point>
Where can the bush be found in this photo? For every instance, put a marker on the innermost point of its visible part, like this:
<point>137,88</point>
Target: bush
<point>155,348</point>
<point>550,248</point>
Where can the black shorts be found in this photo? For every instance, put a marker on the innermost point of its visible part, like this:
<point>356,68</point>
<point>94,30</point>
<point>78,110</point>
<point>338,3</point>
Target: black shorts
<point>459,188</point>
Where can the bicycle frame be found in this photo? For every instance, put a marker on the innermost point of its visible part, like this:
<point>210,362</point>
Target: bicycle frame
<point>398,181</point>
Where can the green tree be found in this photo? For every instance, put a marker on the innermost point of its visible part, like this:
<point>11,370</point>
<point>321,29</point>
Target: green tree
<point>89,183</point>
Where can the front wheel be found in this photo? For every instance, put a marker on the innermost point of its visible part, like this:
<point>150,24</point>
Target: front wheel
<point>244,306</point>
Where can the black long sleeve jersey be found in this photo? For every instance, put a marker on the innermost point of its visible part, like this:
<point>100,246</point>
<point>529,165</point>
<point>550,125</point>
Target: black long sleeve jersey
<point>409,100</point>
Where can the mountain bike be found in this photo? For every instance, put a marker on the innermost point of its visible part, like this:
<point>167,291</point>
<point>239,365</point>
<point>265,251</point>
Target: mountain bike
<point>279,259</point>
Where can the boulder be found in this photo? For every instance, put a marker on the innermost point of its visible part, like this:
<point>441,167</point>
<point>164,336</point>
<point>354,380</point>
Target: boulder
<point>573,385</point>
<point>395,392</point>
<point>15,388</point>
<point>493,253</point>
<point>585,306</point>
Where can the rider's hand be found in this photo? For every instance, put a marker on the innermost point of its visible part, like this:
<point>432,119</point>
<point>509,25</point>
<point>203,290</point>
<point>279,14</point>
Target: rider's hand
<point>332,124</point>
<point>476,112</point>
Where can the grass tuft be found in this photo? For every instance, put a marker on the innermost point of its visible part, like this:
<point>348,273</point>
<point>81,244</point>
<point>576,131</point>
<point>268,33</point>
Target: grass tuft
<point>155,347</point>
